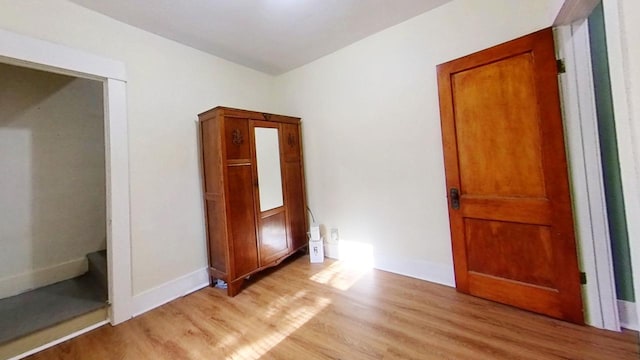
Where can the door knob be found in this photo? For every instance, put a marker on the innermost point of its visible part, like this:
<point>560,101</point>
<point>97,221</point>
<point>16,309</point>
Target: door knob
<point>454,196</point>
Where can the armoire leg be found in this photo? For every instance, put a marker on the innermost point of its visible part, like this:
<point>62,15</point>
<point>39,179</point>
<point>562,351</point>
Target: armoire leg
<point>233,288</point>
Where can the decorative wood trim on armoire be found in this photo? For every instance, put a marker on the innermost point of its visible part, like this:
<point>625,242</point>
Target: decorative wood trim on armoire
<point>243,238</point>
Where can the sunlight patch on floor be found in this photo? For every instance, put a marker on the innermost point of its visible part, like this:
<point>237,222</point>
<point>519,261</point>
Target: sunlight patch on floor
<point>283,304</point>
<point>293,314</point>
<point>356,259</point>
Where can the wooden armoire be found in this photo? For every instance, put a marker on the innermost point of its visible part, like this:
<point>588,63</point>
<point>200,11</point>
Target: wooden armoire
<point>254,192</point>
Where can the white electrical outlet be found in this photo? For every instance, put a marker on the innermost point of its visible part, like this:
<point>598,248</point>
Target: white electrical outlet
<point>334,235</point>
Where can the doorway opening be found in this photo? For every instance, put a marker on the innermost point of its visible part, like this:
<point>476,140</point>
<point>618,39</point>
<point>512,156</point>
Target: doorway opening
<point>609,158</point>
<point>28,52</point>
<point>53,266</point>
<point>596,169</point>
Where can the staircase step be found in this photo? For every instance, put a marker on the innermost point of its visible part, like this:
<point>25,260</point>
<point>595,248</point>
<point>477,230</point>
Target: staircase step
<point>39,309</point>
<point>98,268</point>
<point>18,347</point>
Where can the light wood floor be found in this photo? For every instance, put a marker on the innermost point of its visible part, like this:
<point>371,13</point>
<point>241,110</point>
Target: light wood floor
<point>328,311</point>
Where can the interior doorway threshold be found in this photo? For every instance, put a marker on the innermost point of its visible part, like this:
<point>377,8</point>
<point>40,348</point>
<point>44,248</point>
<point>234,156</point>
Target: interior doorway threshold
<point>50,336</point>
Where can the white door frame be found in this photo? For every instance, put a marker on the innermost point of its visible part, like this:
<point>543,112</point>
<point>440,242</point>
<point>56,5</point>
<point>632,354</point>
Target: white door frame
<point>627,130</point>
<point>575,41</point>
<point>589,203</point>
<point>33,53</point>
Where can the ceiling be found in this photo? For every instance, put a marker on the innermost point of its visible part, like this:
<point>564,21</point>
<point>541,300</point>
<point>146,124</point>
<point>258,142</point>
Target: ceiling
<point>272,36</point>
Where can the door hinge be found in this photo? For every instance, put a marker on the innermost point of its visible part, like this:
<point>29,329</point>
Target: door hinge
<point>561,66</point>
<point>583,278</point>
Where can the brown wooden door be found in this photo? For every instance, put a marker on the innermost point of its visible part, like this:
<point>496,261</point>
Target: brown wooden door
<point>512,229</point>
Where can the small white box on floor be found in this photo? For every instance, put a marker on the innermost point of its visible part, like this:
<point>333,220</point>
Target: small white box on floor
<point>316,251</point>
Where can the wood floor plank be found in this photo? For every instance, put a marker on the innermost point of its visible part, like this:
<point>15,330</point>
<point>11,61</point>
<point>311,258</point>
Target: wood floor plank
<point>332,311</point>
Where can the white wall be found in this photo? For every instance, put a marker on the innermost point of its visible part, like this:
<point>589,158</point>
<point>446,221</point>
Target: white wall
<point>53,186</point>
<point>372,141</point>
<point>168,85</point>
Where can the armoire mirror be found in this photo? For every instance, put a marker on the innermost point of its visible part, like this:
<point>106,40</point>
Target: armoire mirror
<point>269,173</point>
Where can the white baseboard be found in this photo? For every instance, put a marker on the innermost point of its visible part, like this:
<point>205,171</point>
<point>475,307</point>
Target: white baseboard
<point>169,291</point>
<point>331,250</point>
<point>419,269</point>
<point>17,284</point>
<point>424,270</point>
<point>628,315</point>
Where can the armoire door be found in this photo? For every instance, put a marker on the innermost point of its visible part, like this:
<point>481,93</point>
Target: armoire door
<point>269,190</point>
<point>294,185</point>
<point>507,181</point>
<point>239,197</point>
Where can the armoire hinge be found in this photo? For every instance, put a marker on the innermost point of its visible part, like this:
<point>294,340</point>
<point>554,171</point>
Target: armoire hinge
<point>583,278</point>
